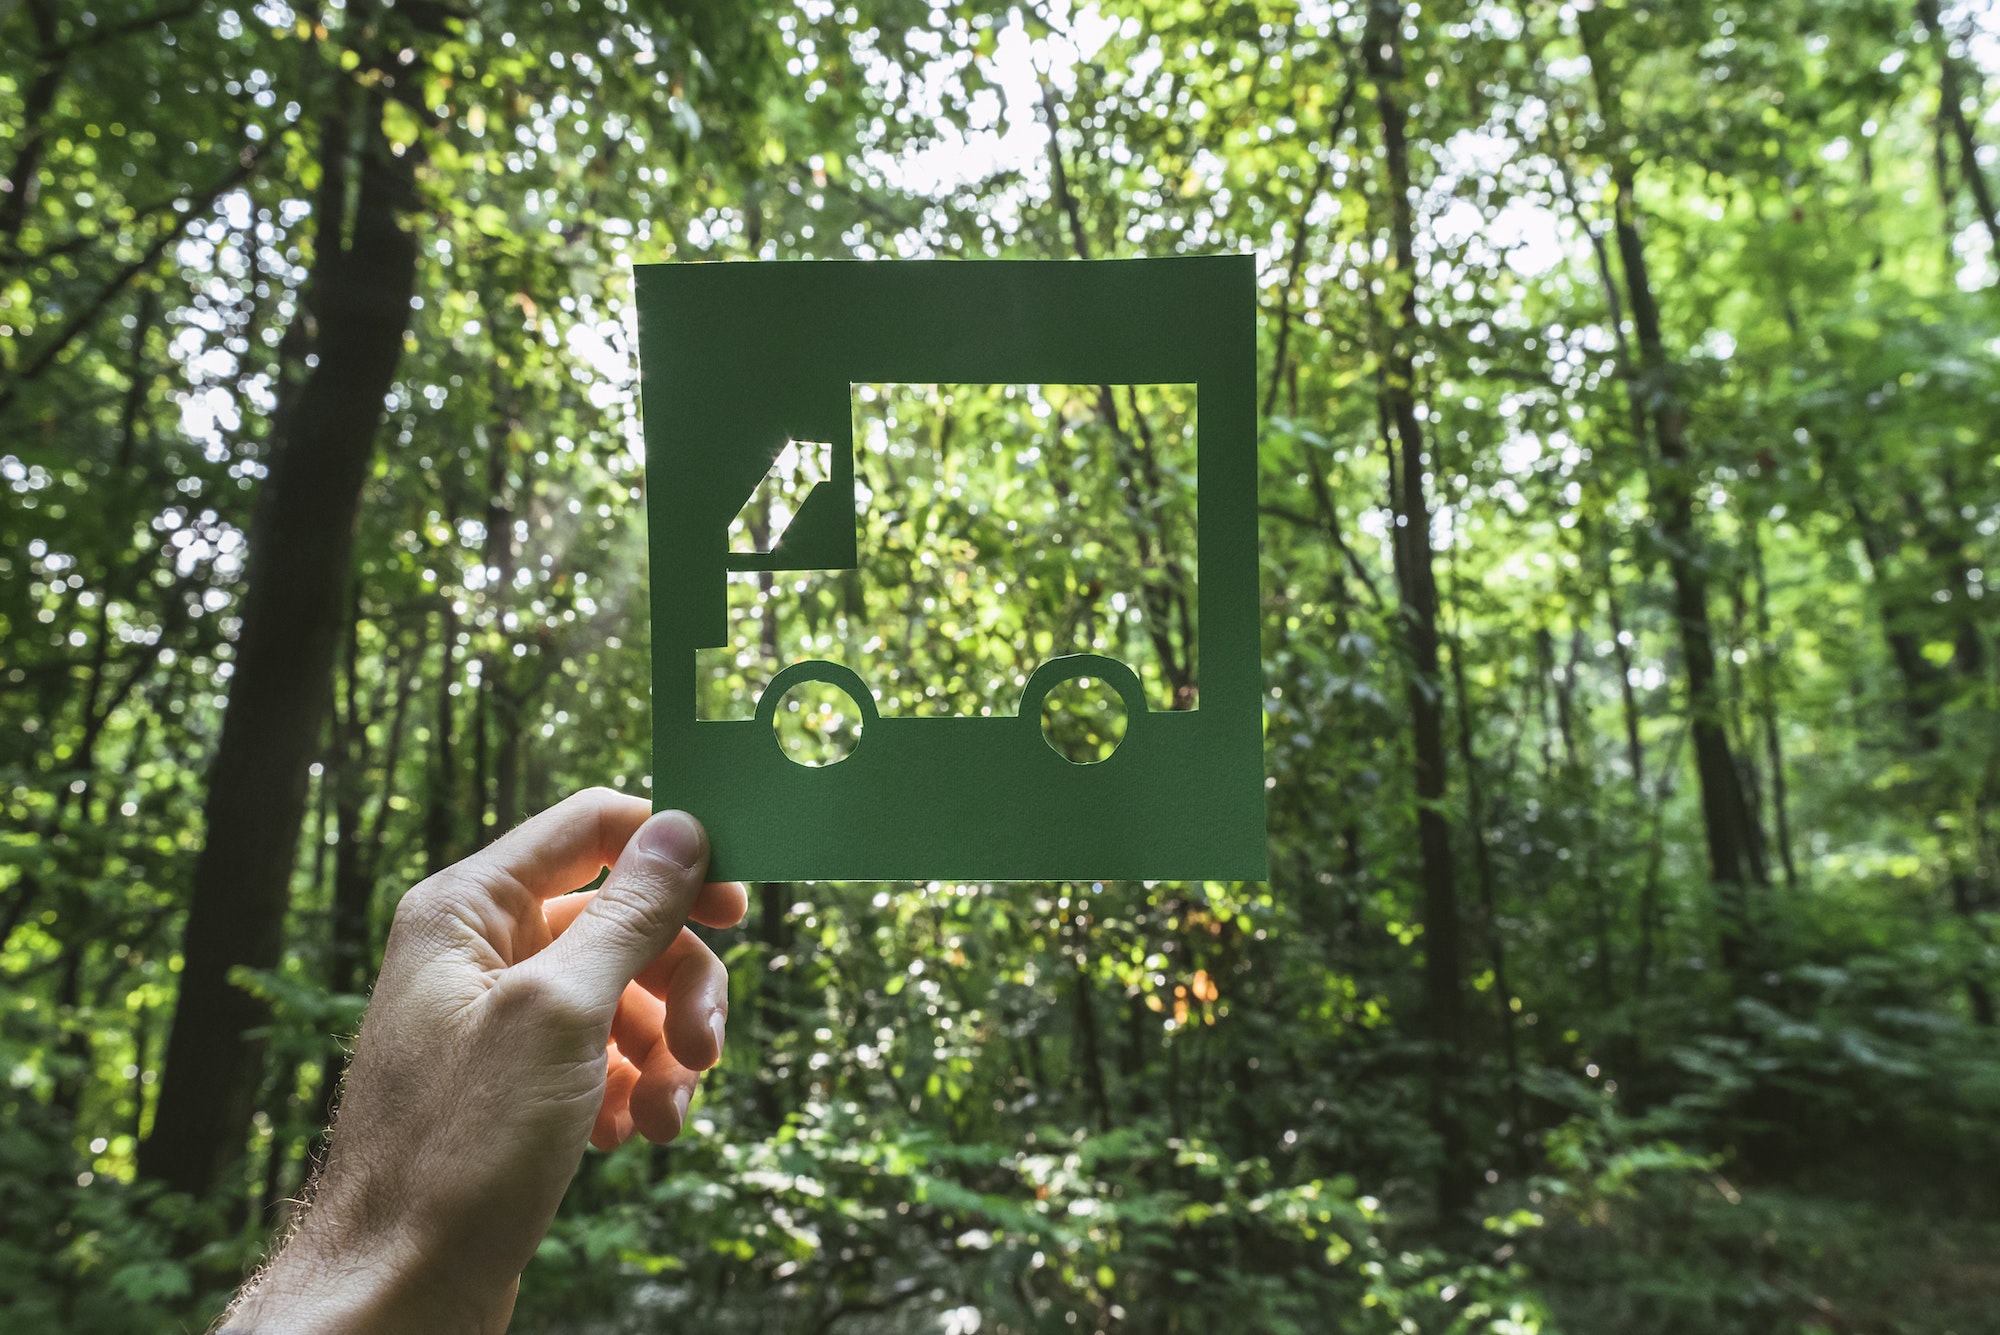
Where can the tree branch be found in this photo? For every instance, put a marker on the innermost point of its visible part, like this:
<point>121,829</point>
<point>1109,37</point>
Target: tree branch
<point>88,316</point>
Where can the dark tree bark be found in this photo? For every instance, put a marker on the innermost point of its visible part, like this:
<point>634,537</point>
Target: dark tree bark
<point>73,1048</point>
<point>1925,685</point>
<point>482,757</point>
<point>1733,863</point>
<point>1089,1059</point>
<point>1767,711</point>
<point>21,185</point>
<point>440,804</point>
<point>1628,696</point>
<point>1416,582</point>
<point>1295,265</point>
<point>301,543</point>
<point>1162,594</point>
<point>1489,904</point>
<point>1952,118</point>
<point>357,860</point>
<point>502,557</point>
<point>773,932</point>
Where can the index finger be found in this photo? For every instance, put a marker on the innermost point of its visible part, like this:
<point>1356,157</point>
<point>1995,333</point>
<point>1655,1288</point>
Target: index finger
<point>561,848</point>
<point>720,904</point>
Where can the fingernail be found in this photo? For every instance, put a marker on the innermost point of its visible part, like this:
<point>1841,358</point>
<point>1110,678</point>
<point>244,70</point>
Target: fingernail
<point>715,1027</point>
<point>681,1099</point>
<point>673,835</point>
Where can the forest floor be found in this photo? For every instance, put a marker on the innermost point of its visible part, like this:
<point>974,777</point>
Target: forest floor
<point>1803,1258</point>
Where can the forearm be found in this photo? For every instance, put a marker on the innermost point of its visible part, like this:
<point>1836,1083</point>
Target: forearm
<point>316,1286</point>
<point>485,1064</point>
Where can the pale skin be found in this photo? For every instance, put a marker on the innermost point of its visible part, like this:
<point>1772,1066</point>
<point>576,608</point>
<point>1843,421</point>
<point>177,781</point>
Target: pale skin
<point>515,1020</point>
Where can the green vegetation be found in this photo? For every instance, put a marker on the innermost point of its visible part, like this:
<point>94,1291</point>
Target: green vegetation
<point>1631,373</point>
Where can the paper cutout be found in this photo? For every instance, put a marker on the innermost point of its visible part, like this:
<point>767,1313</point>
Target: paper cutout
<point>740,360</point>
<point>989,542</point>
<point>1089,727</point>
<point>765,518</point>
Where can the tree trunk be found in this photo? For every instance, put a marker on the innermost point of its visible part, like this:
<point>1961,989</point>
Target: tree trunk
<point>1725,816</point>
<point>1296,264</point>
<point>1089,1060</point>
<point>1489,903</point>
<point>506,758</point>
<point>73,1047</point>
<point>440,816</point>
<point>301,543</point>
<point>1952,117</point>
<point>1418,615</point>
<point>482,755</point>
<point>1164,593</point>
<point>1767,709</point>
<point>1926,686</point>
<point>20,186</point>
<point>773,932</point>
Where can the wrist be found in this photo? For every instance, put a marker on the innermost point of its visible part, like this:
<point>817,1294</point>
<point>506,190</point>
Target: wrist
<point>317,1285</point>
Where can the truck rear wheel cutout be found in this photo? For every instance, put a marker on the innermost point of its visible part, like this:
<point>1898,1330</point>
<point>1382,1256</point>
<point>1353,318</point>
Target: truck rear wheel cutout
<point>817,724</point>
<point>1083,720</point>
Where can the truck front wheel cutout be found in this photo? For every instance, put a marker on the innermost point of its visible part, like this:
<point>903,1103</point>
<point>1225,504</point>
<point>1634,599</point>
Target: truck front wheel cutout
<point>817,722</point>
<point>1083,719</point>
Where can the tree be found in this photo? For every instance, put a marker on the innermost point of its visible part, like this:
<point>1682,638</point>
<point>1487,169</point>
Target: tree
<point>300,543</point>
<point>1603,349</point>
<point>1734,854</point>
<point>1416,582</point>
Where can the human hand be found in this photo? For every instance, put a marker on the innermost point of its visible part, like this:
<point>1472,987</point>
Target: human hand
<point>511,1024</point>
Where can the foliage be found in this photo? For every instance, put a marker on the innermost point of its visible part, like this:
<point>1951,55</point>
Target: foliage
<point>1698,326</point>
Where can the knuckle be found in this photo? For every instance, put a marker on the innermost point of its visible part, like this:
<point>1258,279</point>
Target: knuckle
<point>420,906</point>
<point>599,802</point>
<point>435,898</point>
<point>535,996</point>
<point>638,912</point>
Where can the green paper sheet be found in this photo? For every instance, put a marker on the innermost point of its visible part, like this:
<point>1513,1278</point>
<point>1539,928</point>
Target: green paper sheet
<point>738,360</point>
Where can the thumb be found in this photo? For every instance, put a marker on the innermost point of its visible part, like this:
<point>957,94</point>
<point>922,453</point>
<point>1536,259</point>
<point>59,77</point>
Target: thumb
<point>636,913</point>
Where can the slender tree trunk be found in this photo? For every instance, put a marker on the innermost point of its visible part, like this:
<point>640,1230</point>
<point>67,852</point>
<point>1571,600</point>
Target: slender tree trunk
<point>440,807</point>
<point>483,831</point>
<point>1295,265</point>
<point>506,759</point>
<point>1925,685</point>
<point>1649,885</point>
<point>346,775</point>
<point>1724,809</point>
<point>1089,1050</point>
<point>300,548</point>
<point>278,1158</point>
<point>1132,1068</point>
<point>1978,997</point>
<point>142,1053</point>
<point>773,933</point>
<point>1949,567</point>
<point>1163,590</point>
<point>1767,709</point>
<point>1444,1003</point>
<point>1496,943</point>
<point>1952,118</point>
<point>73,1047</point>
<point>1725,813</point>
<point>502,557</point>
<point>1740,696</point>
<point>20,186</point>
<point>1579,778</point>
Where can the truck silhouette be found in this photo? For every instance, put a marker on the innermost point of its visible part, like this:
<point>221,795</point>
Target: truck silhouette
<point>740,360</point>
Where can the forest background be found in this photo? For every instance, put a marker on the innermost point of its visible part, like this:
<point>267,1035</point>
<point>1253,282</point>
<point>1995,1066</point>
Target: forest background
<point>1630,381</point>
